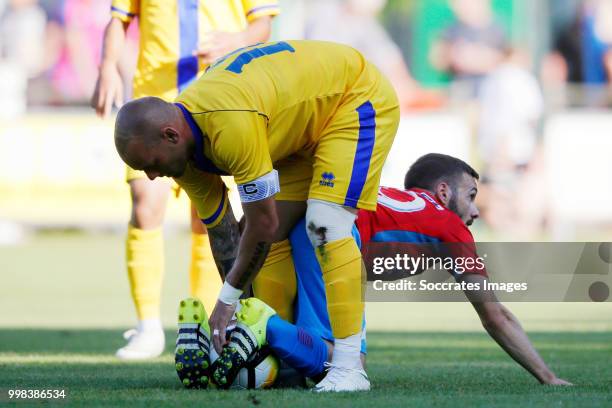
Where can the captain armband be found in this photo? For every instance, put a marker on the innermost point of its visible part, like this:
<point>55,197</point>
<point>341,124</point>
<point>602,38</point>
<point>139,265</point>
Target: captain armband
<point>260,188</point>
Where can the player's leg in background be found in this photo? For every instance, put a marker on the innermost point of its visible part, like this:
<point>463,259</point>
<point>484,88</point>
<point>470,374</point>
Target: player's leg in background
<point>204,279</point>
<point>145,264</point>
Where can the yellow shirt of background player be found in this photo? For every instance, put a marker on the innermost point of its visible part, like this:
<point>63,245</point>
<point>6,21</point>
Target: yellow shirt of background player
<point>247,115</point>
<point>171,30</point>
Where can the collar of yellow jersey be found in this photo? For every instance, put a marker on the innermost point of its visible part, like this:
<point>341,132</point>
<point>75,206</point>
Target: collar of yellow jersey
<point>202,162</point>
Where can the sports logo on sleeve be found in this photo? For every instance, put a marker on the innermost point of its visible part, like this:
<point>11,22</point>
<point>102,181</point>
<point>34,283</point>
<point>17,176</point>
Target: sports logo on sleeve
<point>259,189</point>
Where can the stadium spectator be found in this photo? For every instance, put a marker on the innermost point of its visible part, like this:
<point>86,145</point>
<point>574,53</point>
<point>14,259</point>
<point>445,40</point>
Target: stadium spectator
<point>22,30</point>
<point>72,52</point>
<point>74,75</point>
<point>582,55</point>
<point>472,46</point>
<point>22,33</point>
<point>41,90</point>
<point>511,107</point>
<point>355,23</point>
<point>582,49</point>
<point>177,41</point>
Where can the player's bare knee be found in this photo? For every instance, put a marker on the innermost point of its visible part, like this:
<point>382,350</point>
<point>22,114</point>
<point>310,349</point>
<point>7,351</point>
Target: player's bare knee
<point>328,222</point>
<point>147,214</point>
<point>148,203</point>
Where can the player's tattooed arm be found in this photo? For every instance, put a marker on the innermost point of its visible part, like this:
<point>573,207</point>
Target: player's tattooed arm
<point>257,259</point>
<point>224,241</point>
<point>260,226</point>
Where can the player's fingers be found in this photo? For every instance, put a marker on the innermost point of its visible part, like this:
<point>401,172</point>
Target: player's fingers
<point>207,60</point>
<point>100,101</point>
<point>214,54</point>
<point>119,96</point>
<point>93,102</point>
<point>108,103</point>
<point>222,337</point>
<point>201,52</point>
<point>217,341</point>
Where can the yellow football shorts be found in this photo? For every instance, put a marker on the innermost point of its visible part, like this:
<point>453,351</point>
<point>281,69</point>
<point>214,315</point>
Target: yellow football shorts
<point>345,165</point>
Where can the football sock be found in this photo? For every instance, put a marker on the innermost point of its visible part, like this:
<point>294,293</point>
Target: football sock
<point>341,265</point>
<point>304,352</point>
<point>275,283</point>
<point>204,280</point>
<point>145,266</point>
<point>347,351</point>
<point>149,324</point>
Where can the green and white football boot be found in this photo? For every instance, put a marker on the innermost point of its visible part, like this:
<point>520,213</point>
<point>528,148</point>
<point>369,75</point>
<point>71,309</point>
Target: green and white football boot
<point>192,353</point>
<point>248,336</point>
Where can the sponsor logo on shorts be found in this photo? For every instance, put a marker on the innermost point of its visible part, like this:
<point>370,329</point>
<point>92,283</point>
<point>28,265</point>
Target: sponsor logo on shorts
<point>327,179</point>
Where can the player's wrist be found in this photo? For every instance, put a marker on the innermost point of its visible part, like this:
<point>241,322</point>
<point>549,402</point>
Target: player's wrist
<point>547,377</point>
<point>242,39</point>
<point>229,294</point>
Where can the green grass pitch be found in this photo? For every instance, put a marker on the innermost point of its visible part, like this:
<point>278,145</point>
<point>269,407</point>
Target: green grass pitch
<point>62,315</point>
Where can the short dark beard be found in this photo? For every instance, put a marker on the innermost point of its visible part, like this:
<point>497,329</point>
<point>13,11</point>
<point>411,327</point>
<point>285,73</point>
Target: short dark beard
<point>452,204</point>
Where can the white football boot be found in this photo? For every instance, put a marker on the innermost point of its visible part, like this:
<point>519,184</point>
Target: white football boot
<point>340,379</point>
<point>143,343</point>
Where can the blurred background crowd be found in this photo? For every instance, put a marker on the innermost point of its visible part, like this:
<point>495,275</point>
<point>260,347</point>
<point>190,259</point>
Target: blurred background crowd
<point>519,88</point>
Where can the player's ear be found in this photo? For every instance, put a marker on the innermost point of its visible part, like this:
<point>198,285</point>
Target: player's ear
<point>443,192</point>
<point>170,134</point>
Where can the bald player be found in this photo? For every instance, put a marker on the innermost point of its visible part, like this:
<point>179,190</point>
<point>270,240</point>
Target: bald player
<point>304,127</point>
<point>178,40</point>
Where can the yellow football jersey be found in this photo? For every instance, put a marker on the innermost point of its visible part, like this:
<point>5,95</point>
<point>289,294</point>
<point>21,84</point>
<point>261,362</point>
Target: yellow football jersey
<point>171,30</point>
<point>269,103</point>
<point>254,117</point>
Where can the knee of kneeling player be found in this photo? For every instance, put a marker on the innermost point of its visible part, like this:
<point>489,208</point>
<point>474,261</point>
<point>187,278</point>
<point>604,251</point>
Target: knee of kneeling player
<point>327,222</point>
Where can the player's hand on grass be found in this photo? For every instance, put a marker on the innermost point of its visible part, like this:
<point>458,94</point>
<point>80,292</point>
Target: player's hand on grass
<point>219,320</point>
<point>108,91</point>
<point>558,381</point>
<point>217,44</point>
